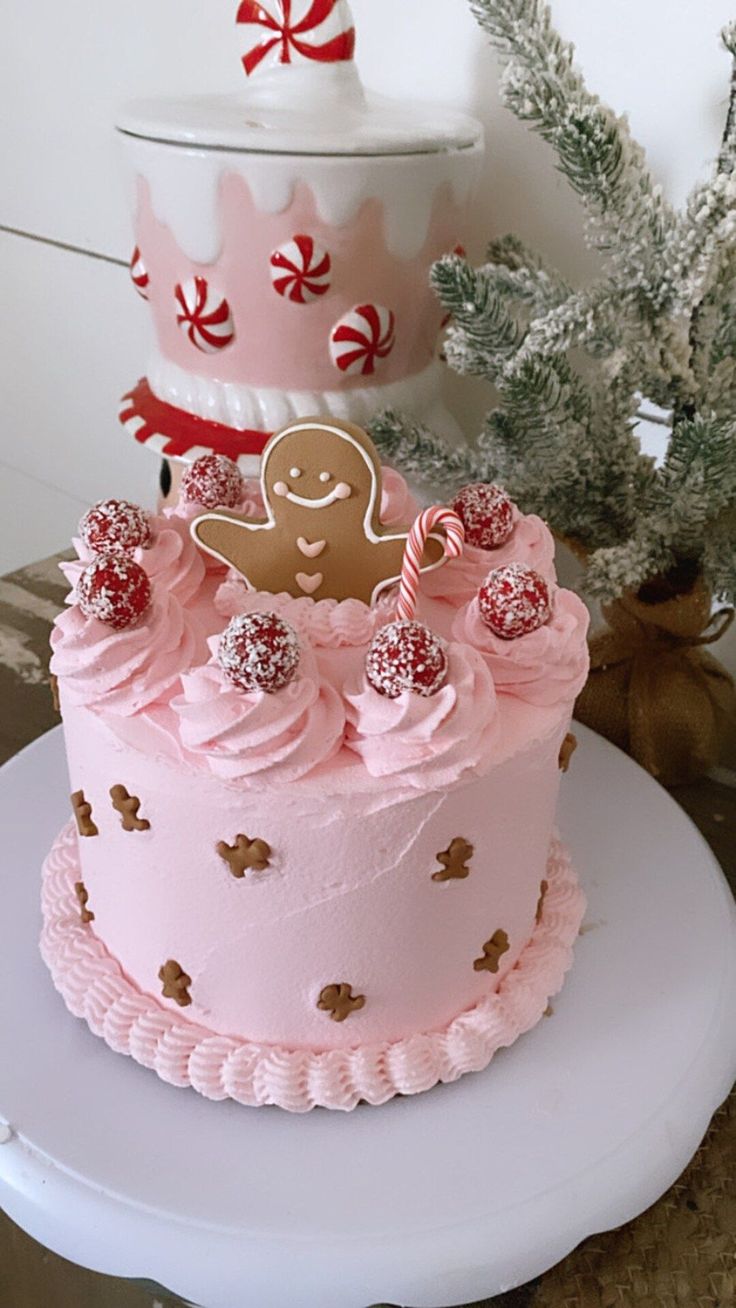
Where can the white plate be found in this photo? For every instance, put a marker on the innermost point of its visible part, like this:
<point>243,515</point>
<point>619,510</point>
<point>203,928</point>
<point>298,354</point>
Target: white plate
<point>435,1200</point>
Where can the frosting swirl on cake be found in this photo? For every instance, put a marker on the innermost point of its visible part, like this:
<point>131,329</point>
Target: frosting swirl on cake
<point>326,624</point>
<point>172,560</point>
<point>530,543</point>
<point>123,671</point>
<point>545,666</point>
<point>426,741</point>
<point>257,738</point>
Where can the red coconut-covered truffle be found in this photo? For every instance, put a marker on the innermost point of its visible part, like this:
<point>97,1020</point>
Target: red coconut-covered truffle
<point>115,590</point>
<point>259,651</point>
<point>514,600</point>
<point>406,656</point>
<point>487,514</point>
<point>115,527</point>
<point>213,481</point>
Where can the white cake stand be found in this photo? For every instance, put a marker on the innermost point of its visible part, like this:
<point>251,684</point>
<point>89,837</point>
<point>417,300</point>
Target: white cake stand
<point>436,1200</point>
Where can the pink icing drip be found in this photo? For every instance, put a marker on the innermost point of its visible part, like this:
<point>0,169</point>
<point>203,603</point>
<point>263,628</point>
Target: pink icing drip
<point>544,667</point>
<point>272,347</point>
<point>95,988</point>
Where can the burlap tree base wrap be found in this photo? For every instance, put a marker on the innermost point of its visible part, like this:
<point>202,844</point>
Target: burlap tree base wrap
<point>654,690</point>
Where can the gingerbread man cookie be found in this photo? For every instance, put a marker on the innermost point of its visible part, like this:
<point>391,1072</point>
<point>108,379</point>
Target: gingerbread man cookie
<point>321,483</point>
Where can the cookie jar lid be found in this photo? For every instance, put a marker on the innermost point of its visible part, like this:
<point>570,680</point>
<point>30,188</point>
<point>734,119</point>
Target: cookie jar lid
<point>303,95</point>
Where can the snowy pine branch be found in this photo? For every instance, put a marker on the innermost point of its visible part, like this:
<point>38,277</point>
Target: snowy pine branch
<point>520,273</point>
<point>594,148</point>
<point>727,155</point>
<point>719,556</point>
<point>586,319</point>
<point>422,455</point>
<point>483,332</point>
<point>571,366</point>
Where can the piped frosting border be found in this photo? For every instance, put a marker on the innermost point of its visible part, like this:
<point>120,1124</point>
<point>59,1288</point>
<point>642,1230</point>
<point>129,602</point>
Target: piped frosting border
<point>94,987</point>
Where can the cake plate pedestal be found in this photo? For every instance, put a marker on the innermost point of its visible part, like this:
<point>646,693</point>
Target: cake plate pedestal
<point>440,1199</point>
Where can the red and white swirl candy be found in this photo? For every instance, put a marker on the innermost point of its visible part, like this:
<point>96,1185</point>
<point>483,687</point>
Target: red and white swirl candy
<point>436,516</point>
<point>204,315</point>
<point>295,31</point>
<point>139,273</point>
<point>362,339</point>
<point>300,270</point>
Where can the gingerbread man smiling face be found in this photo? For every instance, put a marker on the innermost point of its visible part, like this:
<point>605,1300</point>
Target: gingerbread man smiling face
<point>321,485</point>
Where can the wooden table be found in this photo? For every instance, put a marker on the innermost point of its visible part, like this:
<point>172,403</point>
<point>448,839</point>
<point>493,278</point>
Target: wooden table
<point>679,1254</point>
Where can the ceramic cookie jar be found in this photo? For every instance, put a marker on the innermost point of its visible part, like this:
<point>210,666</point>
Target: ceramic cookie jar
<point>283,241</point>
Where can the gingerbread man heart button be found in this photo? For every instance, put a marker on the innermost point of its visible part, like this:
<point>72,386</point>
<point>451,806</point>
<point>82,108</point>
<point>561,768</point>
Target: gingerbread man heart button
<point>321,482</point>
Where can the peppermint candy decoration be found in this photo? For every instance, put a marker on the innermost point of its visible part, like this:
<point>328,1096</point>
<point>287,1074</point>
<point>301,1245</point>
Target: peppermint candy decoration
<point>361,339</point>
<point>292,31</point>
<point>139,274</point>
<point>300,270</point>
<point>204,315</point>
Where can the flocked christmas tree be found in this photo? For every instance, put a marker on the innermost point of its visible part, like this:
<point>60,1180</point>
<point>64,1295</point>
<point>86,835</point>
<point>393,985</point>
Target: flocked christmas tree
<point>572,367</point>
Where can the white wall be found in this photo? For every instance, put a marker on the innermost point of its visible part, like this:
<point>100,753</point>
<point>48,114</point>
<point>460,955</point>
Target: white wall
<point>74,335</point>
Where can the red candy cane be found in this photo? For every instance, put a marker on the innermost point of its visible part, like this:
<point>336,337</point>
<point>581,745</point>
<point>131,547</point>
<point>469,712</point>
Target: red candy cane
<point>436,516</point>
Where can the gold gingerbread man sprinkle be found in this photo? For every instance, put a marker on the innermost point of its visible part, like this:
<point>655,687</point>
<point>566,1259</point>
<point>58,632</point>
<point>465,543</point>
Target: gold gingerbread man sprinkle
<point>567,749</point>
<point>454,860</point>
<point>80,891</point>
<point>492,951</point>
<point>339,1001</point>
<point>176,983</point>
<point>245,855</point>
<point>127,806</point>
<point>544,887</point>
<point>321,484</point>
<point>83,814</point>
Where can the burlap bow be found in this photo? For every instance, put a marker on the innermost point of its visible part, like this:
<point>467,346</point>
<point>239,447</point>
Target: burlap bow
<point>654,690</point>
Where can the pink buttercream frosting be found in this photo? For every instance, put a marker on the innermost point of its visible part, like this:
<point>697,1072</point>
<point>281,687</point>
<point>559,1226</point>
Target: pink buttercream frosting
<point>251,504</point>
<point>544,667</point>
<point>531,543</point>
<point>328,624</point>
<point>182,514</point>
<point>427,741</point>
<point>257,738</point>
<point>123,671</point>
<point>172,560</point>
<point>95,988</point>
<point>398,506</point>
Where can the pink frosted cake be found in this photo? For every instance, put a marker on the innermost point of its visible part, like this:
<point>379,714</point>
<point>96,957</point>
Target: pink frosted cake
<point>313,858</point>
